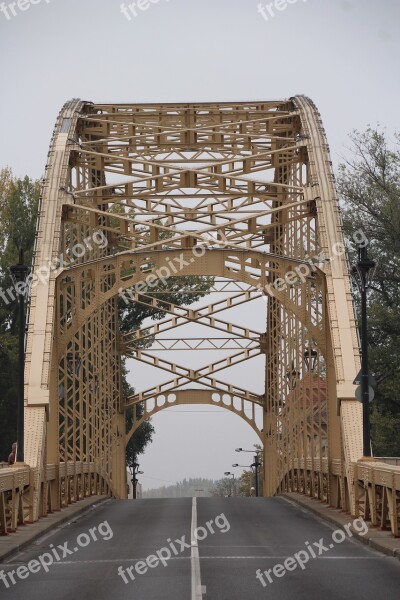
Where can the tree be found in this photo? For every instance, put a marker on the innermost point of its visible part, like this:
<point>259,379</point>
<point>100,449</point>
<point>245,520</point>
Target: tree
<point>223,487</point>
<point>182,489</point>
<point>247,478</point>
<point>19,200</point>
<point>144,434</point>
<point>181,291</point>
<point>369,188</point>
<point>246,482</point>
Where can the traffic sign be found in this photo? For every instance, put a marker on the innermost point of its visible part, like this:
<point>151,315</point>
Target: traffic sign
<point>371,379</point>
<point>358,393</point>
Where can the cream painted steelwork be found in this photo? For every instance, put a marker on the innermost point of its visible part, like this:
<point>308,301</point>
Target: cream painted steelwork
<point>240,192</point>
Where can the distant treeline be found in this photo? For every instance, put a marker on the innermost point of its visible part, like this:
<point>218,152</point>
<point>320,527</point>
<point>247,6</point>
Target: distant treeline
<point>182,489</point>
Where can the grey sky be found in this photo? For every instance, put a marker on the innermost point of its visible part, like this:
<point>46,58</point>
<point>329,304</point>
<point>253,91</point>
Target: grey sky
<point>343,54</point>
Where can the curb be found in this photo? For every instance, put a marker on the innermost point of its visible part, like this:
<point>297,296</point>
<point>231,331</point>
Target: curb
<point>367,540</point>
<point>64,518</point>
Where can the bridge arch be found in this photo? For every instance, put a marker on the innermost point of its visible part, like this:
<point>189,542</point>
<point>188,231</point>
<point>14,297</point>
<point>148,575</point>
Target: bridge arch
<point>256,180</point>
<point>227,263</point>
<point>199,397</point>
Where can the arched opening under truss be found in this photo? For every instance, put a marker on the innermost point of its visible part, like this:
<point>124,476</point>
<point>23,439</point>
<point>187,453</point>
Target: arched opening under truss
<point>297,419</point>
<point>195,441</point>
<point>296,329</point>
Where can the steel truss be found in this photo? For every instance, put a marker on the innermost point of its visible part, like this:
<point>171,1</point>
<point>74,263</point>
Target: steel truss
<point>241,192</point>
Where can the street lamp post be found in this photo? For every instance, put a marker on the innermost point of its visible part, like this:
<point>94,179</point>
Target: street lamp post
<point>244,467</point>
<point>255,464</point>
<point>233,486</point>
<point>19,274</point>
<point>363,273</point>
<point>134,470</point>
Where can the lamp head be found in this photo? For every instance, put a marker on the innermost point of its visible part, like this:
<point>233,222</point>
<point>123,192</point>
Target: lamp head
<point>19,272</point>
<point>363,272</point>
<point>310,358</point>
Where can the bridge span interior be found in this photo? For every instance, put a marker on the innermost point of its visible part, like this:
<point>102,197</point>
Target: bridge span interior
<point>240,198</point>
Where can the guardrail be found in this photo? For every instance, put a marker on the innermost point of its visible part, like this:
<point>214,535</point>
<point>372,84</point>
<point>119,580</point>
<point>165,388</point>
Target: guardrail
<point>390,460</point>
<point>377,493</point>
<point>62,485</point>
<point>376,487</point>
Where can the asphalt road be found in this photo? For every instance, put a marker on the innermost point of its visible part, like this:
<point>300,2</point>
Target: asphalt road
<point>204,549</point>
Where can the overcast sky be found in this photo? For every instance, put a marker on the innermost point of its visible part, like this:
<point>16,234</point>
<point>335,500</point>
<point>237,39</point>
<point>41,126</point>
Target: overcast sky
<point>344,54</point>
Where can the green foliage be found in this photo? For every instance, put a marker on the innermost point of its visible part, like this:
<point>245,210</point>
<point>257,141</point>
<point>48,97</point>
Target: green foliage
<point>246,482</point>
<point>225,487</point>
<point>18,213</point>
<point>143,436</point>
<point>181,291</point>
<point>19,200</point>
<point>386,427</point>
<point>369,187</point>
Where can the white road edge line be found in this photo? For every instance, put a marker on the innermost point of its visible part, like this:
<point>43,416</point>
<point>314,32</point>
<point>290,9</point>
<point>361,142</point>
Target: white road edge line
<point>197,588</point>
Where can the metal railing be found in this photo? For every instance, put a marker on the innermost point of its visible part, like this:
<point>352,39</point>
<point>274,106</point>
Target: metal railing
<point>390,460</point>
<point>376,486</point>
<point>61,485</point>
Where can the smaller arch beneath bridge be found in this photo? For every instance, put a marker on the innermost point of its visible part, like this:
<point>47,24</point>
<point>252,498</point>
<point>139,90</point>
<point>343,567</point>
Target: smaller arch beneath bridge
<point>161,402</point>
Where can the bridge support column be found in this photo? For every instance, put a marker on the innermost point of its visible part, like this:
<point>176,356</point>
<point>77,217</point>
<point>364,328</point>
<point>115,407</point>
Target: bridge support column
<point>119,481</point>
<point>335,488</point>
<point>269,488</point>
<point>35,454</point>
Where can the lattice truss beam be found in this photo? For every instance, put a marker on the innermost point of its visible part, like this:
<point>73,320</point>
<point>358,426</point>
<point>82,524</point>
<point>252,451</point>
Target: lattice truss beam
<point>243,193</point>
<point>220,190</point>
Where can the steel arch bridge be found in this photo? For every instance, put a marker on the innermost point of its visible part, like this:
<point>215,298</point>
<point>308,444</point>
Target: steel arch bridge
<point>242,192</point>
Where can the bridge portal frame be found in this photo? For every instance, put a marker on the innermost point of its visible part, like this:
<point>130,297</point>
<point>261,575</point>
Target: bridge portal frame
<point>268,162</point>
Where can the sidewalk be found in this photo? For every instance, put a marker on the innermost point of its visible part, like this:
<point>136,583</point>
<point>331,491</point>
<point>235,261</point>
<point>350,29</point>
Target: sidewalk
<point>383,541</point>
<point>26,534</point>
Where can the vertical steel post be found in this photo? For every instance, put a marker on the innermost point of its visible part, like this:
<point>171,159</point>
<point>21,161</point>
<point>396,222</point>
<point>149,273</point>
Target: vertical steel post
<point>256,463</point>
<point>21,371</point>
<point>364,355</point>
